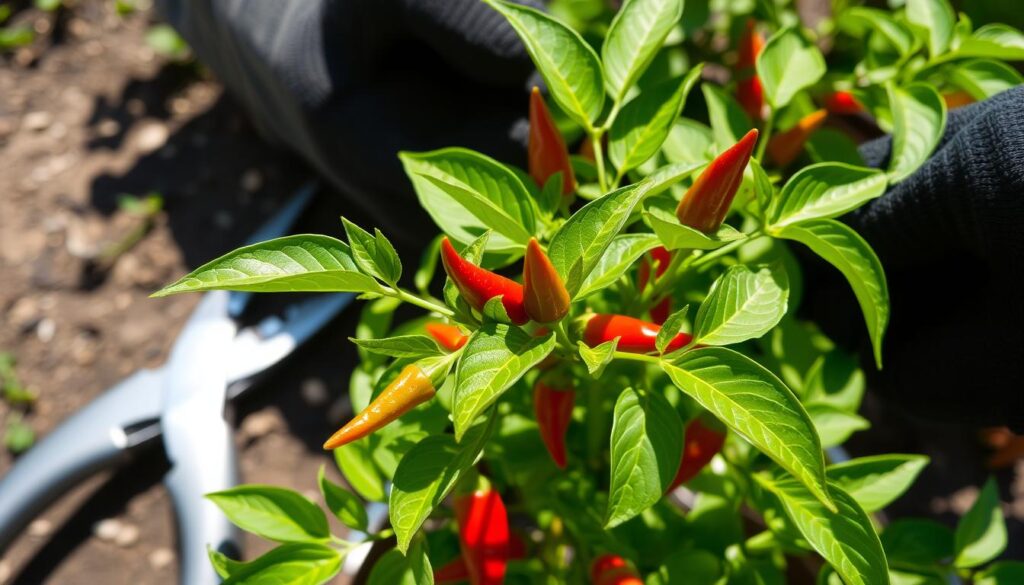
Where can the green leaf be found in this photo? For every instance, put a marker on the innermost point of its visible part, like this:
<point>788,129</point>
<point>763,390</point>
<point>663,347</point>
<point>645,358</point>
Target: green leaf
<point>981,533</point>
<point>834,424</point>
<point>831,145</point>
<point>18,436</point>
<point>919,118</point>
<point>860,20</point>
<point>844,537</point>
<point>222,564</point>
<point>356,465</point>
<point>646,120</point>
<point>670,328</point>
<point>846,250</point>
<point>935,20</point>
<point>577,248</point>
<point>688,141</point>
<point>570,68</point>
<point>756,404</point>
<point>646,445</point>
<point>401,346</point>
<point>984,78</point>
<point>493,359</point>
<point>661,216</point>
<point>274,513</point>
<point>787,64</point>
<point>342,503</point>
<point>996,41</point>
<point>374,254</point>
<point>1004,573</point>
<point>165,41</point>
<point>728,120</point>
<point>289,564</point>
<point>428,265</point>
<point>467,193</point>
<point>664,177</point>
<point>917,543</point>
<point>875,482</point>
<point>620,255</point>
<point>394,568</point>
<point>302,263</point>
<point>597,358</point>
<point>425,476</point>
<point>825,190</point>
<point>633,39</point>
<point>692,567</point>
<point>742,305</point>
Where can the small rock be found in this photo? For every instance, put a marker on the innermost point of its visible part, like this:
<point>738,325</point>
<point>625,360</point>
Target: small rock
<point>161,558</point>
<point>46,329</point>
<point>42,26</point>
<point>252,180</point>
<point>24,314</point>
<point>314,392</point>
<point>37,121</point>
<point>128,536</point>
<point>107,530</point>
<point>107,128</point>
<point>260,424</point>
<point>40,528</point>
<point>152,136</point>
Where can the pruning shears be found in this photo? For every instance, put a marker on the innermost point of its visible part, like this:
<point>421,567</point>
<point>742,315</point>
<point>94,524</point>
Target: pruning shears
<point>181,406</point>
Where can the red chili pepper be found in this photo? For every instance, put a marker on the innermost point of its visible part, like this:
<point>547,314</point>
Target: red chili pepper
<point>707,202</point>
<point>516,547</point>
<point>704,438</point>
<point>635,336</point>
<point>412,387</point>
<point>547,152</point>
<point>484,535</point>
<point>478,285</point>
<point>783,148</point>
<point>842,103</point>
<point>661,257</point>
<point>749,92</point>
<point>449,336</point>
<point>610,569</point>
<point>553,408</point>
<point>544,295</point>
<point>455,571</point>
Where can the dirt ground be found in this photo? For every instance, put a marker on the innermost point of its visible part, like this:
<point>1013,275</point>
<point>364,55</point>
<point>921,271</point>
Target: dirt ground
<point>89,114</point>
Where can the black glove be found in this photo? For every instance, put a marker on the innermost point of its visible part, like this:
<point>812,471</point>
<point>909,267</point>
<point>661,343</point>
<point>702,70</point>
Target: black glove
<point>951,239</point>
<point>349,83</point>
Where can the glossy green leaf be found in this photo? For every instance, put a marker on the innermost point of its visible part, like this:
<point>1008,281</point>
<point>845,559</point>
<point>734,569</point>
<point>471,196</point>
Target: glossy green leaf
<point>847,251</point>
<point>597,358</point>
<point>984,78</point>
<point>374,253</point>
<point>787,64</point>
<point>919,118</point>
<point>935,20</point>
<point>834,424</point>
<point>356,464</point>
<point>672,327</point>
<point>620,255</point>
<point>741,305</point>
<point>917,543</point>
<point>875,482</point>
<point>981,533</point>
<point>342,503</point>
<point>493,359</point>
<point>646,445</point>
<point>634,37</point>
<point>645,122</point>
<point>428,265</point>
<point>401,346</point>
<point>692,567</point>
<point>662,178</point>
<point>688,141</point>
<point>467,193</point>
<point>844,537</point>
<point>581,242</point>
<point>289,564</point>
<point>302,263</point>
<point>831,145</point>
<point>825,190</point>
<point>222,564</point>
<point>995,41</point>
<point>570,68</point>
<point>394,568</point>
<point>425,476</point>
<point>1004,573</point>
<point>860,20</point>
<point>728,120</point>
<point>661,216</point>
<point>274,513</point>
<point>757,405</point>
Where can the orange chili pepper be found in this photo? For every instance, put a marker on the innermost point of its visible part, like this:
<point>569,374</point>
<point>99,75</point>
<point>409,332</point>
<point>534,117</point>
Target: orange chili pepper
<point>957,99</point>
<point>546,150</point>
<point>449,336</point>
<point>783,148</point>
<point>544,295</point>
<point>707,202</point>
<point>749,92</point>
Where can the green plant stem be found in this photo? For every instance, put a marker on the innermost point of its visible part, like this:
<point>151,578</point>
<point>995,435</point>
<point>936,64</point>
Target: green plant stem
<point>562,336</point>
<point>766,135</point>
<point>706,259</point>
<point>637,357</point>
<point>413,299</point>
<point>760,544</point>
<point>595,141</point>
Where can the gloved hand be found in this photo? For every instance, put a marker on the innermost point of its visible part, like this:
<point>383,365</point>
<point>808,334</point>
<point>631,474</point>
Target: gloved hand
<point>349,83</point>
<point>951,239</point>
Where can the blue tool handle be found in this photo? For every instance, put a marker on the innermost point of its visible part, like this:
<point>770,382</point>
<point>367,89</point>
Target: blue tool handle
<point>94,438</point>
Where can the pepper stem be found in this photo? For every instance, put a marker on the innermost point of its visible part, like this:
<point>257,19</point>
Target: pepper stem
<point>602,179</point>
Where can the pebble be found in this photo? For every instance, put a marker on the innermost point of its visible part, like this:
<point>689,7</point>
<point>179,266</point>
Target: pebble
<point>107,128</point>
<point>37,121</point>
<point>107,530</point>
<point>151,136</point>
<point>24,314</point>
<point>161,558</point>
<point>259,424</point>
<point>46,329</point>
<point>40,528</point>
<point>128,536</point>
<point>314,392</point>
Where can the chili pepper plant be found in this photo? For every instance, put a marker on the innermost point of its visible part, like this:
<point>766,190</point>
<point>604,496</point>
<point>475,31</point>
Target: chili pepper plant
<point>612,383</point>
